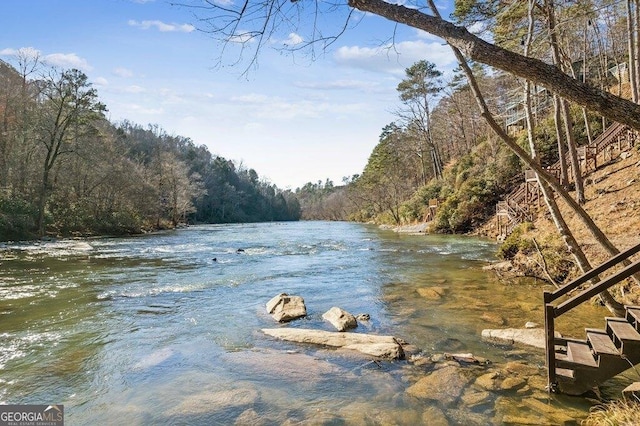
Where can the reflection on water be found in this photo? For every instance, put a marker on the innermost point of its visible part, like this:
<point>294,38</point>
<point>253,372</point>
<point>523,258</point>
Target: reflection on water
<point>164,328</point>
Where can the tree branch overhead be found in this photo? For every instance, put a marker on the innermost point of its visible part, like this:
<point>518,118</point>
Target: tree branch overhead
<point>539,72</point>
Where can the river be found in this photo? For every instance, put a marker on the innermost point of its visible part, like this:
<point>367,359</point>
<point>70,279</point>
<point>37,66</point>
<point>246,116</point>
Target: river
<point>165,328</point>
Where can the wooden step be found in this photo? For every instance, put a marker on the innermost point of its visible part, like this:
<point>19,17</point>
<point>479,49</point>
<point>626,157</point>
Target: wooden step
<point>601,343</point>
<point>622,332</point>
<point>580,353</point>
<point>565,373</point>
<point>633,316</point>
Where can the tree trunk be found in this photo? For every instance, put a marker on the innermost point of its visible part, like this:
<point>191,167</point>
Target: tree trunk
<point>539,72</point>
<point>631,67</point>
<point>597,233</point>
<point>564,107</point>
<point>585,117</point>
<point>636,64</point>
<point>562,148</point>
<point>564,231</point>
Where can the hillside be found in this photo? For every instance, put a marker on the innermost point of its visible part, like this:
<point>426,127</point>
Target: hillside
<point>613,201</point>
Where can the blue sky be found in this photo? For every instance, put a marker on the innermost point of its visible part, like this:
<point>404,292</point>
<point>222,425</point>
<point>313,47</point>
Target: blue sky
<point>292,119</point>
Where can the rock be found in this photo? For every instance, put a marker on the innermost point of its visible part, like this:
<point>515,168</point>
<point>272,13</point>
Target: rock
<point>532,336</point>
<point>433,416</point>
<point>250,417</point>
<point>206,402</point>
<point>340,319</point>
<point>461,416</point>
<point>493,318</point>
<point>466,358</point>
<point>444,385</point>
<point>379,350</point>
<point>287,366</point>
<point>520,421</point>
<point>370,344</point>
<point>489,381</point>
<point>531,324</point>
<point>519,368</point>
<point>432,293</point>
<point>474,398</point>
<point>512,383</point>
<point>285,308</point>
<point>553,414</point>
<point>363,317</point>
<point>505,266</point>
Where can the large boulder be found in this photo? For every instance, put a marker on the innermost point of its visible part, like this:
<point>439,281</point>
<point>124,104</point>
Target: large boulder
<point>285,308</point>
<point>340,319</point>
<point>370,344</point>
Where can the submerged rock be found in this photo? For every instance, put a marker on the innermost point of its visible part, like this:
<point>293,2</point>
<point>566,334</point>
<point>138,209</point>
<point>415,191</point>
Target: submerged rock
<point>528,336</point>
<point>340,319</point>
<point>285,308</point>
<point>432,293</point>
<point>370,344</point>
<point>444,385</point>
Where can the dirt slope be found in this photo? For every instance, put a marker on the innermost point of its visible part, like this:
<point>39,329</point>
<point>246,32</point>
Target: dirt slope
<point>613,201</point>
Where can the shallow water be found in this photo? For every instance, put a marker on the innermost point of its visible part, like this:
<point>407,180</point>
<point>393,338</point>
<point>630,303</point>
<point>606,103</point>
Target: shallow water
<point>152,330</point>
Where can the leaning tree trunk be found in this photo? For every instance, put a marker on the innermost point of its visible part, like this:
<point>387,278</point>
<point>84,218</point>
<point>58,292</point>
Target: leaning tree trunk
<point>563,229</point>
<point>542,74</point>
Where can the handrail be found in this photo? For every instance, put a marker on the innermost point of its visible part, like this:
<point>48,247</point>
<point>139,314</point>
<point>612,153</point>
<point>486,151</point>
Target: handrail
<point>603,140</point>
<point>552,312</point>
<point>587,294</point>
<point>591,274</point>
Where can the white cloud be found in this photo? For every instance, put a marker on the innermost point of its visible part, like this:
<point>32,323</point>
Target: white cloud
<point>139,109</point>
<point>394,59</point>
<point>67,60</point>
<point>338,85</point>
<point>252,98</point>
<point>101,81</point>
<point>123,72</point>
<point>162,26</point>
<point>134,89</point>
<point>293,40</point>
<point>241,36</point>
<point>26,52</point>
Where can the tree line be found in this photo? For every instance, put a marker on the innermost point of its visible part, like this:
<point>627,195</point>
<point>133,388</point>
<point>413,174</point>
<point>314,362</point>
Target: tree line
<point>66,170</point>
<point>442,147</point>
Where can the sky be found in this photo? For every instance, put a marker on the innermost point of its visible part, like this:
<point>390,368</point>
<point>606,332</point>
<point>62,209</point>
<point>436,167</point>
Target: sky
<point>294,117</point>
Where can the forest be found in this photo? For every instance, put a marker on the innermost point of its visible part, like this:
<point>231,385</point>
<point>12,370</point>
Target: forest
<point>441,147</point>
<point>65,170</point>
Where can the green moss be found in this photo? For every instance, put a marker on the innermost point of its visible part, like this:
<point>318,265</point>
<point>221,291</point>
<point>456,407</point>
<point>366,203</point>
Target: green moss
<point>516,242</point>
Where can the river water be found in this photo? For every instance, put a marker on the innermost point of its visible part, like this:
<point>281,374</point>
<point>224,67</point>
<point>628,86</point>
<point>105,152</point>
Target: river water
<point>165,328</point>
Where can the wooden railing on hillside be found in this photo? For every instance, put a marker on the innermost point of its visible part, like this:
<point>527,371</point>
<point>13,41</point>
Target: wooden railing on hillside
<point>551,312</point>
<point>526,194</point>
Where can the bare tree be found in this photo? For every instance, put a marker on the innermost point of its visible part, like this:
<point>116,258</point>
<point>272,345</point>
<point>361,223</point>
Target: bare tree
<point>69,106</point>
<point>251,24</point>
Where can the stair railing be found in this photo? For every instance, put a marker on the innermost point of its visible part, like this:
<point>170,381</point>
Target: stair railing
<point>552,312</point>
